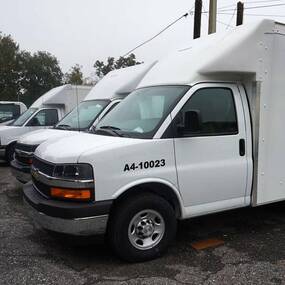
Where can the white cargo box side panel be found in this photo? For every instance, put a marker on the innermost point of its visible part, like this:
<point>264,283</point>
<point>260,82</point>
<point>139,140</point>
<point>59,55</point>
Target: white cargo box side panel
<point>69,97</point>
<point>270,159</point>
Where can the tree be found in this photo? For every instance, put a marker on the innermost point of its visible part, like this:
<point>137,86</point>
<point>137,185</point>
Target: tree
<point>102,68</point>
<point>40,73</point>
<point>74,76</point>
<point>24,73</point>
<point>9,68</point>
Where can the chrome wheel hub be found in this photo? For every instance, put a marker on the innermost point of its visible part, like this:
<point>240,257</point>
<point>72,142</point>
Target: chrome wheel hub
<point>146,229</point>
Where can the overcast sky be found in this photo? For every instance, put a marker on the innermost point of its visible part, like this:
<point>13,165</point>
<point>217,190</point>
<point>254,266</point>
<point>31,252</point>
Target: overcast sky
<point>82,31</point>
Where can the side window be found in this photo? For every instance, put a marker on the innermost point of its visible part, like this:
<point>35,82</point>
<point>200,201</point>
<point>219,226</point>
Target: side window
<point>48,117</point>
<point>209,112</point>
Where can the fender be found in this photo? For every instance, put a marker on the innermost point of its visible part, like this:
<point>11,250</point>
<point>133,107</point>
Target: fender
<point>139,182</point>
<point>10,143</point>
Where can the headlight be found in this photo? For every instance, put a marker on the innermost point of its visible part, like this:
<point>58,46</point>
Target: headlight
<point>78,185</point>
<point>74,171</point>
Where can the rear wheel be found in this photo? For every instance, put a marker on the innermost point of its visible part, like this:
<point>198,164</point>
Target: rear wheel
<point>142,227</point>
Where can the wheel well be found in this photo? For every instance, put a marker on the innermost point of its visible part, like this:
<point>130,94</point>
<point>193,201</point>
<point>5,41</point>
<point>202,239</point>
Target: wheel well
<point>9,146</point>
<point>156,188</point>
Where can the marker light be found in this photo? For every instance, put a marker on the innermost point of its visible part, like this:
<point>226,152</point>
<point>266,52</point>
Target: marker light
<point>71,194</point>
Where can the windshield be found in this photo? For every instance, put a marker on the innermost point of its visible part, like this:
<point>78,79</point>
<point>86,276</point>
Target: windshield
<point>9,112</point>
<point>142,112</point>
<point>87,111</point>
<point>24,117</point>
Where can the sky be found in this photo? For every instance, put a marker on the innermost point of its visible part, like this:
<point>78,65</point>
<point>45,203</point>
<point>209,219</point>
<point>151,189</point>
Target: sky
<point>83,31</point>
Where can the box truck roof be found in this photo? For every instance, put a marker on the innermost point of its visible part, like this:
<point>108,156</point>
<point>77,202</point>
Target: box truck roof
<point>119,83</point>
<point>225,56</point>
<point>67,95</point>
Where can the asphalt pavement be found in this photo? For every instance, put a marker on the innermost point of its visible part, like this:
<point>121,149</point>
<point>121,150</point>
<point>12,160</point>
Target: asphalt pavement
<point>253,250</point>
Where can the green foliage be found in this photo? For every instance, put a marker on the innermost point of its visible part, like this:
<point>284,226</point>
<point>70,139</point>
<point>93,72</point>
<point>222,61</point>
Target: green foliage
<point>74,76</point>
<point>102,68</point>
<point>28,76</point>
<point>25,74</point>
<point>41,72</point>
<point>9,68</point>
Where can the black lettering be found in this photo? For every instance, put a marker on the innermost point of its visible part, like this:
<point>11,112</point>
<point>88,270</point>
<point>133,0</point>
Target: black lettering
<point>126,168</point>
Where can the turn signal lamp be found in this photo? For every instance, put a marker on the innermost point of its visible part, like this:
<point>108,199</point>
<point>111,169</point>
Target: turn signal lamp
<point>71,194</point>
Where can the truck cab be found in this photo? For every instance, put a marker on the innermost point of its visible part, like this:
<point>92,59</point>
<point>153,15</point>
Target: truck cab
<point>44,113</point>
<point>103,97</point>
<point>185,143</point>
<point>10,111</point>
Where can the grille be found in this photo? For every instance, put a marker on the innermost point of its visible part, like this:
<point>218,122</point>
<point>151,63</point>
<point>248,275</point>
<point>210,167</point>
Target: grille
<point>41,187</point>
<point>22,159</point>
<point>43,166</point>
<point>26,147</point>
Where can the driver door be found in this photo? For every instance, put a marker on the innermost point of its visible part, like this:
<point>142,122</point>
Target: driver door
<point>211,158</point>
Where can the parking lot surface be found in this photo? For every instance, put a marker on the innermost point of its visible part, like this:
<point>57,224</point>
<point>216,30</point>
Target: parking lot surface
<point>253,251</point>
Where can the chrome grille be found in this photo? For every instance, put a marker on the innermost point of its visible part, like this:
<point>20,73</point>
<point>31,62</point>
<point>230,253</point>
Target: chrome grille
<point>43,166</point>
<point>26,147</point>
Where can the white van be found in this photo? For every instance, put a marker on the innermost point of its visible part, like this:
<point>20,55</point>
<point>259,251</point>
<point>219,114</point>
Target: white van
<point>106,94</point>
<point>10,111</point>
<point>202,133</point>
<point>45,112</point>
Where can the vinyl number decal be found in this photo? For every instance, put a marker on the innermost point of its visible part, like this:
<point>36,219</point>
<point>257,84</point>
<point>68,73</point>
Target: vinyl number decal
<point>145,165</point>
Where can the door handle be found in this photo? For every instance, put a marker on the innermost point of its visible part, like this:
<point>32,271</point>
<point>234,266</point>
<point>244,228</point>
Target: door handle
<point>242,147</point>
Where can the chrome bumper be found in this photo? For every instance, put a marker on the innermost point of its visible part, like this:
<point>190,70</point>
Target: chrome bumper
<point>80,226</point>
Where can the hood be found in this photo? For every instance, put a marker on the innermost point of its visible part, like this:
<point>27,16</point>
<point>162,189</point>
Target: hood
<point>4,128</point>
<point>69,149</point>
<point>7,123</point>
<point>40,136</point>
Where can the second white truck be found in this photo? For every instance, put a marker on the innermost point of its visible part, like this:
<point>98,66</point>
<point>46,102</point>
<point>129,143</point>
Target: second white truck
<point>106,94</point>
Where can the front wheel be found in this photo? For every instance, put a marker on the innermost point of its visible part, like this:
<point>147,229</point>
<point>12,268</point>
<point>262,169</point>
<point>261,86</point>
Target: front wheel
<point>141,228</point>
<point>10,153</point>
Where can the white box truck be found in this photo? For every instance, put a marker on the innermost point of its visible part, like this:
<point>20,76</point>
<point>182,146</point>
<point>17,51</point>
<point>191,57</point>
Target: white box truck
<point>202,133</point>
<point>10,111</point>
<point>43,113</point>
<point>106,94</point>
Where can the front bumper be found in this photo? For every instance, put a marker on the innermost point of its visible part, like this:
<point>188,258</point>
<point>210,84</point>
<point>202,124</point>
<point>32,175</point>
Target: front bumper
<point>21,172</point>
<point>2,152</point>
<point>73,218</point>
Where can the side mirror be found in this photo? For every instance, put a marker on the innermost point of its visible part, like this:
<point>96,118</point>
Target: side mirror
<point>192,122</point>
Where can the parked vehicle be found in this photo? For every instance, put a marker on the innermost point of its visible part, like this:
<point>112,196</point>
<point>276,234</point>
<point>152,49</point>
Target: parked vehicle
<point>44,113</point>
<point>106,94</point>
<point>201,134</point>
<point>9,111</point>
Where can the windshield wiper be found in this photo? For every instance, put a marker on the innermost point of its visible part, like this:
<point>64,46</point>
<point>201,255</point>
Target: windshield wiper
<point>110,129</point>
<point>64,127</point>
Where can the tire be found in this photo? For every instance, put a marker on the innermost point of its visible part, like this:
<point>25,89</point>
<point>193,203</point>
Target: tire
<point>142,227</point>
<point>10,153</point>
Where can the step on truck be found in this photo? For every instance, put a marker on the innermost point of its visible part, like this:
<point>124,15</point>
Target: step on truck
<point>10,111</point>
<point>103,97</point>
<point>201,134</point>
<point>44,113</point>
